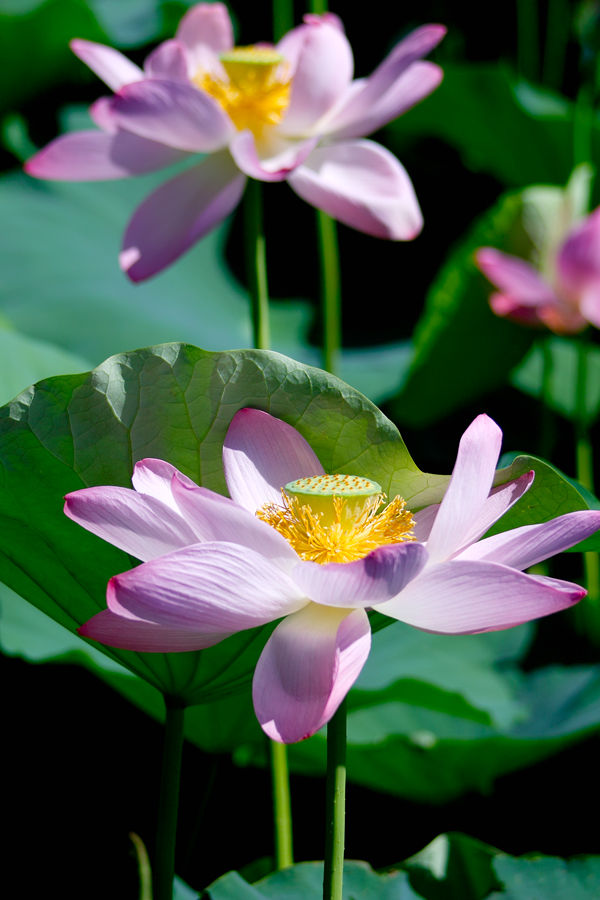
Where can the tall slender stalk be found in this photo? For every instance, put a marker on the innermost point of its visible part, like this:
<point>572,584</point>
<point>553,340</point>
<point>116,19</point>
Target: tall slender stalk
<point>144,870</point>
<point>548,421</point>
<point>333,874</point>
<point>283,17</point>
<point>582,125</point>
<point>282,805</point>
<point>585,476</point>
<point>256,264</point>
<point>331,299</point>
<point>555,48</point>
<point>528,54</point>
<point>168,803</point>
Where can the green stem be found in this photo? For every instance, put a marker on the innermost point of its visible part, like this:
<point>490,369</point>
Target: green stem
<point>333,874</point>
<point>284,853</point>
<point>166,832</point>
<point>144,870</point>
<point>582,125</point>
<point>283,17</point>
<point>331,299</point>
<point>318,7</point>
<point>585,475</point>
<point>557,36</point>
<point>548,422</point>
<point>528,55</point>
<point>256,263</point>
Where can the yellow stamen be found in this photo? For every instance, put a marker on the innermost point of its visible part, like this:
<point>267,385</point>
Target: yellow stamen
<point>256,94</point>
<point>347,538</point>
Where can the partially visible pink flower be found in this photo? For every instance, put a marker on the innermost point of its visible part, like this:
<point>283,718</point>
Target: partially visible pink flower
<point>566,298</point>
<point>213,566</point>
<point>290,112</point>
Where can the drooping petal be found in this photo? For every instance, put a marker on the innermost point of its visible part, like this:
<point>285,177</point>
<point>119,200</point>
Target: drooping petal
<point>466,597</point>
<point>578,261</point>
<point>112,67</point>
<point>514,277</point>
<point>136,523</point>
<point>362,185</point>
<point>154,477</point>
<point>307,667</point>
<point>98,156</point>
<point>261,454</point>
<point>147,637</point>
<point>179,213</point>
<point>365,582</point>
<point>282,157</point>
<point>174,113</point>
<point>322,66</point>
<point>216,518</point>
<point>412,86</point>
<point>530,544</point>
<point>214,587</point>
<point>468,490</point>
<point>500,500</point>
<point>205,25</point>
<point>416,45</point>
<point>167,61</point>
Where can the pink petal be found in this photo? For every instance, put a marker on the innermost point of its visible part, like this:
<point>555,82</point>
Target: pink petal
<point>137,524</point>
<point>500,500</point>
<point>278,165</point>
<point>530,544</point>
<point>328,18</point>
<point>174,113</point>
<point>589,306</point>
<point>154,477</point>
<point>416,83</point>
<point>261,454</point>
<point>362,185</point>
<point>307,667</point>
<point>578,260</point>
<point>97,156</point>
<point>138,634</point>
<point>167,61</point>
<point>468,490</point>
<point>424,520</point>
<point>112,67</point>
<point>466,597</point>
<point>513,309</point>
<point>100,113</point>
<point>205,25</point>
<point>514,277</point>
<point>375,578</point>
<point>416,45</point>
<point>322,65</point>
<point>213,588</point>
<point>216,518</point>
<point>179,213</point>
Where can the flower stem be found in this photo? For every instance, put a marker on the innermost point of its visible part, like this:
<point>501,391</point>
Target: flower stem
<point>548,423</point>
<point>256,263</point>
<point>144,870</point>
<point>283,17</point>
<point>282,806</point>
<point>333,874</point>
<point>528,57</point>
<point>557,36</point>
<point>168,802</point>
<point>582,125</point>
<point>331,300</point>
<point>318,7</point>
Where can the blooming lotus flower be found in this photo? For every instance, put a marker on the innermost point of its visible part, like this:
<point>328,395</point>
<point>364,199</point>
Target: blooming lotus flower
<point>566,297</point>
<point>290,112</point>
<point>316,555</point>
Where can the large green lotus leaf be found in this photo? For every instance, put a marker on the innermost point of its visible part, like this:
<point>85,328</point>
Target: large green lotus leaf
<point>462,350</point>
<point>547,877</point>
<point>453,866</point>
<point>516,132</point>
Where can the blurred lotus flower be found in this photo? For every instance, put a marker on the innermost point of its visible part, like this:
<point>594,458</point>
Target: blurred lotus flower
<point>561,292</point>
<point>214,566</point>
<point>287,112</point>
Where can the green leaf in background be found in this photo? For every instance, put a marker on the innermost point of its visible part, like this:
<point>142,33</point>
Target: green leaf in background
<point>462,350</point>
<point>547,878</point>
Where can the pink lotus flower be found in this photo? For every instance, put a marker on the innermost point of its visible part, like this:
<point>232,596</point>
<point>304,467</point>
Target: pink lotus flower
<point>290,112</point>
<point>566,298</point>
<point>214,566</point>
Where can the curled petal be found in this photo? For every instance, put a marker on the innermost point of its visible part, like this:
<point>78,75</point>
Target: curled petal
<point>174,113</point>
<point>307,667</point>
<point>530,544</point>
<point>468,490</point>
<point>466,597</point>
<point>147,637</point>
<point>154,477</point>
<point>167,61</point>
<point>514,277</point>
<point>365,582</point>
<point>279,161</point>
<point>362,185</point>
<point>138,524</point>
<point>112,67</point>
<point>261,454</point>
<point>98,156</point>
<point>578,260</point>
<point>213,588</point>
<point>500,500</point>
<point>179,213</point>
<point>205,25</point>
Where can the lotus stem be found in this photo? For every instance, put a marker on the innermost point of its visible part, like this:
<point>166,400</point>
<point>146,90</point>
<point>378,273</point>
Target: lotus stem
<point>555,48</point>
<point>333,873</point>
<point>282,806</point>
<point>283,18</point>
<point>528,55</point>
<point>548,422</point>
<point>331,300</point>
<point>256,261</point>
<point>168,803</point>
